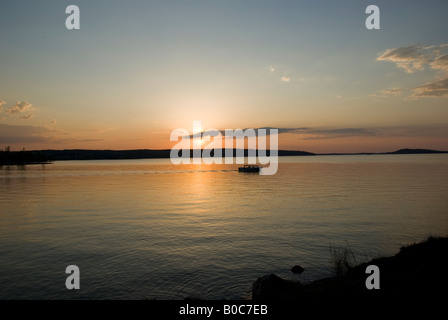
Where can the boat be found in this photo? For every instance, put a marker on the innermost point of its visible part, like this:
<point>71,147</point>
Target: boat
<point>249,168</point>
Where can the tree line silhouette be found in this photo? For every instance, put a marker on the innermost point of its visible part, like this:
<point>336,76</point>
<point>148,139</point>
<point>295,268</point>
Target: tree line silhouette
<point>8,157</point>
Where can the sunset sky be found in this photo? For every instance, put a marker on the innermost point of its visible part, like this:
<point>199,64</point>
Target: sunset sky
<point>137,70</point>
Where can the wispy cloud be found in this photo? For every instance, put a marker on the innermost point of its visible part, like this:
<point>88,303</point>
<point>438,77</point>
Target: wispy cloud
<point>2,103</point>
<point>305,132</point>
<point>438,88</point>
<point>319,134</point>
<point>22,108</point>
<point>280,71</point>
<point>388,93</point>
<point>410,58</point>
<point>103,130</point>
<point>392,92</point>
<point>10,134</point>
<point>441,63</point>
<point>259,131</point>
<point>29,135</point>
<point>415,58</point>
<point>27,116</point>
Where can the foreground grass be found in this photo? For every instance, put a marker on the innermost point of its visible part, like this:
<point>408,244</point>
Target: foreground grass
<point>417,273</point>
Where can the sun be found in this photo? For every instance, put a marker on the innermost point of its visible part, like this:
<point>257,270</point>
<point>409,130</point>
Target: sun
<point>198,142</point>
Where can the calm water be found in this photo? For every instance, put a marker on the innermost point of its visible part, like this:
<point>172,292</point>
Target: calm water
<point>147,229</point>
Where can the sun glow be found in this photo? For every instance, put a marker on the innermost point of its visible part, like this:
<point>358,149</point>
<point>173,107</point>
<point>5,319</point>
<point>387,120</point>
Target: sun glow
<point>198,142</point>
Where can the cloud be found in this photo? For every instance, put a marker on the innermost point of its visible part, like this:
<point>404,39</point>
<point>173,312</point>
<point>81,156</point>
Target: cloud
<point>393,92</point>
<point>388,93</point>
<point>440,63</point>
<point>438,88</point>
<point>410,58</point>
<point>325,133</point>
<point>26,135</point>
<point>306,132</point>
<point>23,134</point>
<point>267,131</point>
<point>27,116</point>
<point>414,58</point>
<point>20,107</point>
<point>319,134</point>
<point>103,130</point>
<point>279,70</point>
<point>2,103</point>
<point>90,140</point>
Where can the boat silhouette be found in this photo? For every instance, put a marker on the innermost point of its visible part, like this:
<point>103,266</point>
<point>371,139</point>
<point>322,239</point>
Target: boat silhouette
<point>249,168</point>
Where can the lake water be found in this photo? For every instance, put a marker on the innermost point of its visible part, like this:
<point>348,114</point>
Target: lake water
<point>147,229</point>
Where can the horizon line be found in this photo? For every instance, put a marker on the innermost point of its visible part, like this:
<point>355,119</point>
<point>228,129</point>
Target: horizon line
<point>418,150</point>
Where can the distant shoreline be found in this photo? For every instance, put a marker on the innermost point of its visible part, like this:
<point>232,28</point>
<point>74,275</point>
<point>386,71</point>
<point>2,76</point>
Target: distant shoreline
<point>22,163</point>
<point>48,156</point>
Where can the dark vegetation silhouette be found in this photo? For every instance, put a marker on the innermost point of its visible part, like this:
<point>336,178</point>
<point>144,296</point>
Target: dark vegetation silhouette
<point>8,157</point>
<point>416,275</point>
<point>44,156</point>
<point>83,154</point>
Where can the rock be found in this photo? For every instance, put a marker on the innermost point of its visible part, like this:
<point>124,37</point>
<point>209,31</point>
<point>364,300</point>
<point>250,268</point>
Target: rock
<point>271,287</point>
<point>297,269</point>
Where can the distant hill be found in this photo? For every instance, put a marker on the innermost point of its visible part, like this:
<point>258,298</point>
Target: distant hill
<point>416,151</point>
<point>44,156</point>
<point>295,153</point>
<point>81,154</point>
<point>401,151</point>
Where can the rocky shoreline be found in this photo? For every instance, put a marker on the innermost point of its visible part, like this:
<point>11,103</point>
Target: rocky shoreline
<point>417,273</point>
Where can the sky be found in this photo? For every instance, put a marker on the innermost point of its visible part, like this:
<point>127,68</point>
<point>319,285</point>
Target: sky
<point>137,70</point>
